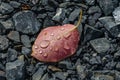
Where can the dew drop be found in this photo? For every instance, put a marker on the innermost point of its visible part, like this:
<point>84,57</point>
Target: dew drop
<point>44,43</point>
<point>40,52</point>
<point>56,48</point>
<point>52,34</point>
<point>58,37</point>
<point>67,35</point>
<point>66,46</point>
<point>50,48</point>
<point>35,47</point>
<point>45,55</point>
<point>62,29</point>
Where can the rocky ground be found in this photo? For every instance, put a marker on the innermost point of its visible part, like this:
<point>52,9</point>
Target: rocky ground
<point>98,54</point>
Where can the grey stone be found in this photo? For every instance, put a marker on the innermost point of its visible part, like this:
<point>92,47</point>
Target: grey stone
<point>26,22</point>
<point>94,9</point>
<point>2,67</point>
<point>11,54</point>
<point>15,70</point>
<point>38,74</point>
<point>5,8</point>
<point>4,43</point>
<point>116,15</point>
<point>26,40</point>
<point>60,15</point>
<point>14,35</point>
<point>118,66</point>
<point>15,4</point>
<point>101,45</point>
<point>117,54</point>
<point>2,29</point>
<point>108,5</point>
<point>74,15</point>
<point>26,51</point>
<point>90,2</point>
<point>95,60</point>
<point>2,75</point>
<point>65,64</point>
<point>61,75</point>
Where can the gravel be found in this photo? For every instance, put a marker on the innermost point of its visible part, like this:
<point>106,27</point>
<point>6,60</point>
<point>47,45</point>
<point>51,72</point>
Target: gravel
<point>98,53</point>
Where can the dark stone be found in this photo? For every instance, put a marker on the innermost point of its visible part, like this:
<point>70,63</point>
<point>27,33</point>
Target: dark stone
<point>65,64</point>
<point>38,74</point>
<point>11,55</point>
<point>45,77</point>
<point>48,22</point>
<point>117,54</point>
<point>26,51</point>
<point>15,70</point>
<point>44,2</point>
<point>118,66</point>
<point>94,9</point>
<point>14,35</point>
<point>74,15</point>
<point>101,45</point>
<point>4,43</point>
<point>2,29</point>
<point>115,31</point>
<point>116,14</point>
<point>60,15</point>
<point>90,2</point>
<point>61,75</point>
<point>53,3</point>
<point>108,5</point>
<point>117,74</point>
<point>15,4</point>
<point>2,66</point>
<point>5,8</point>
<point>110,65</point>
<point>34,1</point>
<point>91,33</point>
<point>3,55</point>
<point>8,24</point>
<point>26,40</point>
<point>41,16</point>
<point>26,22</point>
<point>95,60</point>
<point>2,75</point>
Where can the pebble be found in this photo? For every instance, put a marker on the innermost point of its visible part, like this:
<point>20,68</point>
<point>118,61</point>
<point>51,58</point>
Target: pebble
<point>4,43</point>
<point>101,45</point>
<point>90,2</point>
<point>26,51</point>
<point>116,15</point>
<point>15,70</point>
<point>26,40</point>
<point>5,8</point>
<point>118,66</point>
<point>107,6</point>
<point>15,4</point>
<point>14,35</point>
<point>2,75</point>
<point>26,22</point>
<point>94,9</point>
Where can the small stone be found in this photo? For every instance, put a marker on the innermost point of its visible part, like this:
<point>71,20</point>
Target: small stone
<point>5,8</point>
<point>2,75</point>
<point>73,16</point>
<point>34,1</point>
<point>2,29</point>
<point>26,40</point>
<point>94,9</point>
<point>15,70</point>
<point>117,54</point>
<point>110,65</point>
<point>26,51</point>
<point>38,74</point>
<point>15,4</point>
<point>8,24</point>
<point>14,35</point>
<point>3,55</point>
<point>26,22</point>
<point>116,15</point>
<point>60,15</point>
<point>2,66</point>
<point>118,66</point>
<point>90,2</point>
<point>95,60</point>
<point>108,5</point>
<point>11,55</point>
<point>4,43</point>
<point>101,45</point>
<point>60,75</point>
<point>65,64</point>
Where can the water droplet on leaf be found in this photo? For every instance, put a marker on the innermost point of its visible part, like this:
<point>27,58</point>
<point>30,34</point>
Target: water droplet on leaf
<point>62,29</point>
<point>45,55</point>
<point>52,34</point>
<point>58,37</point>
<point>35,47</point>
<point>40,52</point>
<point>44,43</point>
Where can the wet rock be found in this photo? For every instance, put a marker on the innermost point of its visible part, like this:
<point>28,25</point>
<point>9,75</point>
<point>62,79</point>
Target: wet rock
<point>101,45</point>
<point>5,8</point>
<point>53,3</point>
<point>117,74</point>
<point>4,43</point>
<point>14,35</point>
<point>117,54</point>
<point>74,15</point>
<point>107,5</point>
<point>26,22</point>
<point>48,22</point>
<point>26,40</point>
<point>8,24</point>
<point>45,77</point>
<point>110,65</point>
<point>38,74</point>
<point>91,33</point>
<point>116,15</point>
<point>26,51</point>
<point>15,4</point>
<point>60,15</point>
<point>65,64</point>
<point>15,70</point>
<point>11,55</point>
<point>94,9</point>
<point>2,66</point>
<point>118,66</point>
<point>34,1</point>
<point>3,55</point>
<point>95,60</point>
<point>60,75</point>
<point>90,2</point>
<point>2,75</point>
<point>2,29</point>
